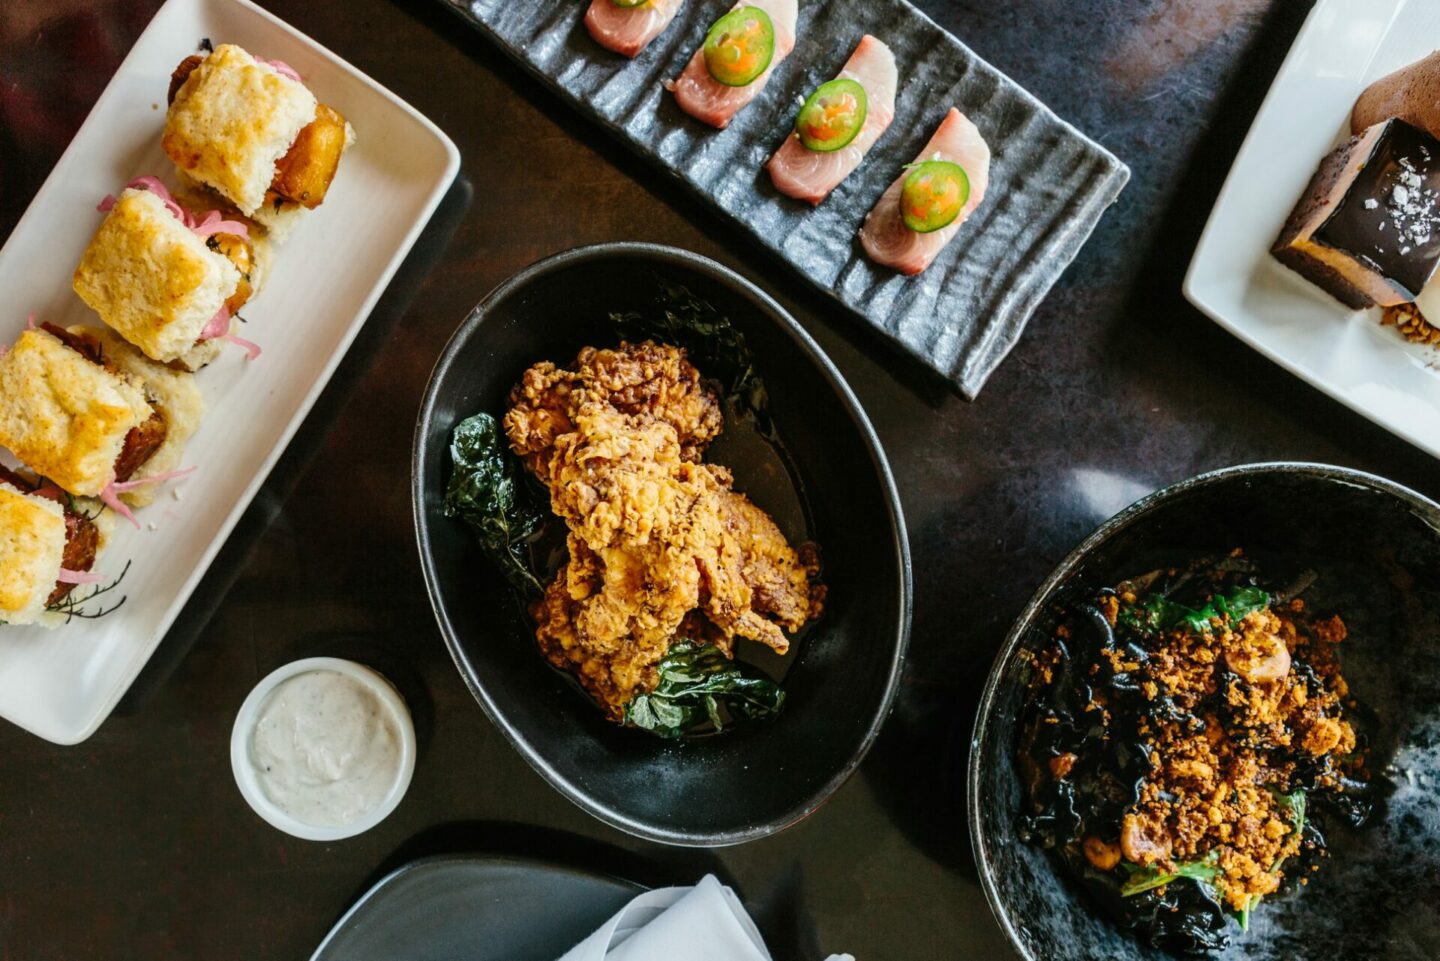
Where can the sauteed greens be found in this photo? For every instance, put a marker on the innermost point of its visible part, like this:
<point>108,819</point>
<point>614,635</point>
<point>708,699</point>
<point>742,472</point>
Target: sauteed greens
<point>488,492</point>
<point>699,685</point>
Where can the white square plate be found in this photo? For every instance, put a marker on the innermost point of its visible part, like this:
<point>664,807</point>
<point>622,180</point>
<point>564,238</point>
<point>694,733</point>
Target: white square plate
<point>62,684</point>
<point>1343,47</point>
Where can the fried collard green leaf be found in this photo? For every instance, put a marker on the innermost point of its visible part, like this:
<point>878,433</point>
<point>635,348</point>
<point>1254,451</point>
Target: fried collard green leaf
<point>1293,805</point>
<point>1141,879</point>
<point>1160,613</point>
<point>715,346</point>
<point>487,491</point>
<point>699,684</point>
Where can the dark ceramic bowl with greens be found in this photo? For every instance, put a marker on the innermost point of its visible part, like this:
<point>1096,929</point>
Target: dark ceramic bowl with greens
<point>1343,542</point>
<point>799,447</point>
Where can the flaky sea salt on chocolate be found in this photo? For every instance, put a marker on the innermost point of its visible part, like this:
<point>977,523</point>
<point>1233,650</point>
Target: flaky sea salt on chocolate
<point>1381,183</point>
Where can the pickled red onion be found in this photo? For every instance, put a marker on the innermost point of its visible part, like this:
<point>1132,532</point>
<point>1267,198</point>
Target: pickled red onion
<point>213,224</point>
<point>121,487</point>
<point>113,501</point>
<point>217,326</point>
<point>252,349</point>
<point>111,492</point>
<point>282,68</point>
<point>154,185</point>
<point>68,576</point>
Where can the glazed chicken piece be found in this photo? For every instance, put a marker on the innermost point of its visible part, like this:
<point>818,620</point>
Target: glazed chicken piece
<point>305,172</point>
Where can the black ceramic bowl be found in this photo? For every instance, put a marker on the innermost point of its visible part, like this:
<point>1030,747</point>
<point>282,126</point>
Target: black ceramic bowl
<point>831,484</point>
<point>1376,548</point>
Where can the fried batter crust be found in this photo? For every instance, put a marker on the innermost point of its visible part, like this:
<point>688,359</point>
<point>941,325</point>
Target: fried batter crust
<point>646,382</point>
<point>660,545</point>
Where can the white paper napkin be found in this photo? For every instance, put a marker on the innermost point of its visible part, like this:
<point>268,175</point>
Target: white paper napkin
<point>703,923</point>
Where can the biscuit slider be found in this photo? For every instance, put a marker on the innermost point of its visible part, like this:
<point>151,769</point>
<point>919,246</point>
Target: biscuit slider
<point>48,545</point>
<point>168,281</point>
<point>249,130</point>
<point>88,412</point>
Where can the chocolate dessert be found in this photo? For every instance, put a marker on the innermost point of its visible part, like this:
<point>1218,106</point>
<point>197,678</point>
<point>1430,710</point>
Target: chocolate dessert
<point>1367,228</point>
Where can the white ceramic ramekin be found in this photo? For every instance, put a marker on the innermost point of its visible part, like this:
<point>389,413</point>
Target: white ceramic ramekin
<point>245,725</point>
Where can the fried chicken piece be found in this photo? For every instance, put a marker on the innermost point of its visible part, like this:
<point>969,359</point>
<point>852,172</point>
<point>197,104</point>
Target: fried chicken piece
<point>660,546</point>
<point>629,501</point>
<point>646,382</point>
<point>602,621</point>
<point>756,584</point>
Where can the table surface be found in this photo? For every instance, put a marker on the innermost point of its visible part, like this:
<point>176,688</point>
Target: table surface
<point>136,843</point>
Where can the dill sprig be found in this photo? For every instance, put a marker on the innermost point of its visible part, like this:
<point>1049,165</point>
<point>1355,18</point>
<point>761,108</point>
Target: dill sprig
<point>72,606</point>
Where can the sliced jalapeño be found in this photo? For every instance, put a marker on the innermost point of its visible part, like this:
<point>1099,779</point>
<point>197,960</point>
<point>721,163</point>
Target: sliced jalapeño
<point>934,194</point>
<point>740,46</point>
<point>833,115</point>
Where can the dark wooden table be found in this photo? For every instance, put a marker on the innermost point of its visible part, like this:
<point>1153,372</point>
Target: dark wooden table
<point>136,843</point>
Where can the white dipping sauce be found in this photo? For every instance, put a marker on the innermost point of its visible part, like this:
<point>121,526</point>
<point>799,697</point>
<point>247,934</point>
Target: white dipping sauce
<point>325,749</point>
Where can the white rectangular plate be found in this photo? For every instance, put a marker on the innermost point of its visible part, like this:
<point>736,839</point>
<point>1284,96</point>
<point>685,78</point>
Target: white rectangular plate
<point>62,684</point>
<point>1343,47</point>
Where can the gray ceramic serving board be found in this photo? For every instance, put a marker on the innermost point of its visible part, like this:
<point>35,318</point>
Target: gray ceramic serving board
<point>1049,183</point>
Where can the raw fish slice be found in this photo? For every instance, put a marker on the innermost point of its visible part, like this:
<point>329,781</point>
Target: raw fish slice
<point>626,30</point>
<point>708,100</point>
<point>811,174</point>
<point>886,238</point>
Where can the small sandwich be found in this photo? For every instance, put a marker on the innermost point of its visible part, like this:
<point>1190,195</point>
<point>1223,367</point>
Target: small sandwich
<point>249,130</point>
<point>48,545</point>
<point>69,411</point>
<point>168,281</point>
<point>172,394</point>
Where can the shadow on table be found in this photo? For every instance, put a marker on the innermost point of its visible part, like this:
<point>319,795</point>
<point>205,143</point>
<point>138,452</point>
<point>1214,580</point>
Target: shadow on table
<point>228,565</point>
<point>785,916</point>
<point>561,848</point>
